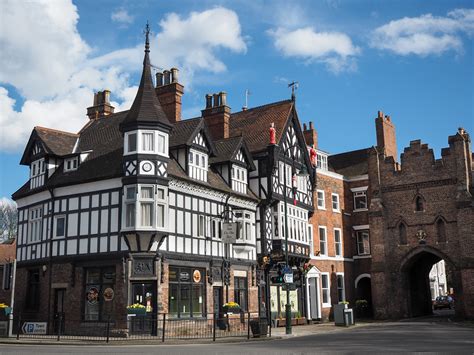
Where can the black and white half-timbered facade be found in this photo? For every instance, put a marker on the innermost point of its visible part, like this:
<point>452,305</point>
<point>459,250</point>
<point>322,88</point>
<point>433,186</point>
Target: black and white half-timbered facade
<point>131,209</point>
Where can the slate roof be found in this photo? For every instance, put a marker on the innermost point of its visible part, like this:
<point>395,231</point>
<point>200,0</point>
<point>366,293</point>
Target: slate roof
<point>226,148</point>
<point>254,124</point>
<point>182,130</point>
<point>146,108</point>
<point>351,163</point>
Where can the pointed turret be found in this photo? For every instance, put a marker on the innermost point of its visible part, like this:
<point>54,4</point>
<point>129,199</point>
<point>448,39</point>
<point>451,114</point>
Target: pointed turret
<point>146,109</point>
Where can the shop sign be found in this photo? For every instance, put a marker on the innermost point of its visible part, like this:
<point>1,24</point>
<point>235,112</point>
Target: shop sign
<point>184,276</point>
<point>109,294</point>
<point>197,276</point>
<point>92,295</point>
<point>34,327</point>
<point>143,267</point>
<point>229,232</point>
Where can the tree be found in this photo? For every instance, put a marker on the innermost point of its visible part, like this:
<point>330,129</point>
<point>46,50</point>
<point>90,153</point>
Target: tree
<point>8,219</point>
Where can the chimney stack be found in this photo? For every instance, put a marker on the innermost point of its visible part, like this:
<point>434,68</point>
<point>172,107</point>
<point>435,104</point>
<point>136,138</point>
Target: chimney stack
<point>101,105</point>
<point>217,115</point>
<point>386,135</point>
<point>310,135</point>
<point>169,92</point>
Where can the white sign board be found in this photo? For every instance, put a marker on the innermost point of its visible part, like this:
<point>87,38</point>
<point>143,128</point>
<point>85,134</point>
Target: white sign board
<point>288,278</point>
<point>229,232</point>
<point>34,327</point>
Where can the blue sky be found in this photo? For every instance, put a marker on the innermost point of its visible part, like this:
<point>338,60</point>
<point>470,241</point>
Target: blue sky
<point>411,59</point>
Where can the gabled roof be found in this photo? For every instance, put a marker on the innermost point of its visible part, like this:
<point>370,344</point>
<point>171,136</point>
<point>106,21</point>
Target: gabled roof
<point>353,163</point>
<point>146,108</point>
<point>184,132</point>
<point>53,141</point>
<point>254,124</point>
<point>227,150</point>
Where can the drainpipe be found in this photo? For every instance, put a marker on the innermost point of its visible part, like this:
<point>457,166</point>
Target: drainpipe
<point>50,262</point>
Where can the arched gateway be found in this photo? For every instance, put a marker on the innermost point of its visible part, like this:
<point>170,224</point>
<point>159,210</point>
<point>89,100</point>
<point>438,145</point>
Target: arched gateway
<point>421,212</point>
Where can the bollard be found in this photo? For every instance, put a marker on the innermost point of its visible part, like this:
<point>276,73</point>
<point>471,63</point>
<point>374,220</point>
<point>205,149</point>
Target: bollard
<point>108,329</point>
<point>214,327</point>
<point>248,325</point>
<point>60,326</point>
<point>164,322</point>
<point>19,327</point>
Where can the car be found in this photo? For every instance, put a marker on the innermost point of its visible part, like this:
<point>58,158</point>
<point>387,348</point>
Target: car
<point>443,302</point>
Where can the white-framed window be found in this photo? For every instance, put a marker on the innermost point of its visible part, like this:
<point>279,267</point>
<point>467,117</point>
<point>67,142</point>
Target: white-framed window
<point>247,225</point>
<point>239,178</point>
<point>360,199</point>
<point>281,173</point>
<point>325,288</point>
<point>130,200</point>
<point>216,229</point>
<point>363,242</point>
<point>35,224</point>
<point>341,290</point>
<point>338,242</point>
<point>71,164</point>
<point>321,201</point>
<point>321,161</point>
<point>201,226</point>
<point>145,207</point>
<point>37,167</point>
<point>146,141</point>
<point>335,202</point>
<point>130,142</point>
<point>302,182</point>
<point>323,243</point>
<point>59,226</point>
<point>197,165</point>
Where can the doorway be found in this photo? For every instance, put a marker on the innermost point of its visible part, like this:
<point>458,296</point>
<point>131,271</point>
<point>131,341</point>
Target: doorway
<point>313,299</point>
<point>144,293</point>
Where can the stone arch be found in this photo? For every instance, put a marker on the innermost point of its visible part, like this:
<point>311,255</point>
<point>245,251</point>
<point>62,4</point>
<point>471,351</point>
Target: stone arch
<point>415,291</point>
<point>361,276</point>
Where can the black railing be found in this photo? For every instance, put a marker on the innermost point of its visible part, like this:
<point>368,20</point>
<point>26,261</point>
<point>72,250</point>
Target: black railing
<point>158,328</point>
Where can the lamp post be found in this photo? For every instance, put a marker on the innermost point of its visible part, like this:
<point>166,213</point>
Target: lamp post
<point>302,173</point>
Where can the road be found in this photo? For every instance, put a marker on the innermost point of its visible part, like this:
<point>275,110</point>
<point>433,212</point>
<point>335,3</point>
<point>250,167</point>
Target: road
<point>413,336</point>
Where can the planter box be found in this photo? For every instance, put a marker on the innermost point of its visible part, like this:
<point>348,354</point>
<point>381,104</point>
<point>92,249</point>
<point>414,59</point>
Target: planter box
<point>137,311</point>
<point>301,321</point>
<point>230,310</point>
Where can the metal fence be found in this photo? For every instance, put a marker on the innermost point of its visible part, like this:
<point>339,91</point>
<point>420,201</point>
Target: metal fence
<point>158,328</point>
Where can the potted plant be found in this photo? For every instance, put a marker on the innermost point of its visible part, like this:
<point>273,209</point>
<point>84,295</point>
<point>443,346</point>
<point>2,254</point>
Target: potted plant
<point>300,320</point>
<point>231,307</point>
<point>137,309</point>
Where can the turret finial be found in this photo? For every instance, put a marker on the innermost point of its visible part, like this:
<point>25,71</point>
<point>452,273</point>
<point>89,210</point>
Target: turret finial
<point>147,40</point>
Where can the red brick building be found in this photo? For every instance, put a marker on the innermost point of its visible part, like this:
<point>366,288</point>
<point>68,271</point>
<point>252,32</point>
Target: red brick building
<point>379,226</point>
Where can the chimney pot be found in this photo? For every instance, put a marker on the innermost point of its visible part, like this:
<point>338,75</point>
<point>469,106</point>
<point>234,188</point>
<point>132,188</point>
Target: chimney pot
<point>223,98</point>
<point>310,124</point>
<point>174,75</point>
<point>159,79</point>
<point>380,114</point>
<point>107,96</point>
<point>166,75</point>
<point>208,100</point>
<point>304,127</point>
<point>216,100</point>
<point>95,99</point>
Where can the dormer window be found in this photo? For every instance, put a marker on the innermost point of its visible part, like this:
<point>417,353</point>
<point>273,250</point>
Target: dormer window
<point>37,173</point>
<point>239,179</point>
<point>71,164</point>
<point>321,161</point>
<point>197,165</point>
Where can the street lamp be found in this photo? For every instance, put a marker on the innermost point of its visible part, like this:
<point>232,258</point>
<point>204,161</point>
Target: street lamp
<point>303,173</point>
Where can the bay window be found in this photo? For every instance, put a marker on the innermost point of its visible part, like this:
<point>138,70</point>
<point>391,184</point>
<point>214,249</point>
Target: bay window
<point>146,141</point>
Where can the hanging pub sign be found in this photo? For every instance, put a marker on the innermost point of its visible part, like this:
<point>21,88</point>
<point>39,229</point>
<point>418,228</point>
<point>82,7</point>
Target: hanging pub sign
<point>230,232</point>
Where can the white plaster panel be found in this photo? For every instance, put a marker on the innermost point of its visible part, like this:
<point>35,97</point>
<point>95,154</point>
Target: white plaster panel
<point>72,225</point>
<point>84,223</point>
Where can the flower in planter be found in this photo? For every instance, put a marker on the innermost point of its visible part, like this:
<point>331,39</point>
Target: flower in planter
<point>231,307</point>
<point>135,306</point>
<point>3,305</point>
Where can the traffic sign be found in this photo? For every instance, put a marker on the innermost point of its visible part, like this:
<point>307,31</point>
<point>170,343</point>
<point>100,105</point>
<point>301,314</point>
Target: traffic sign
<point>288,278</point>
<point>34,327</point>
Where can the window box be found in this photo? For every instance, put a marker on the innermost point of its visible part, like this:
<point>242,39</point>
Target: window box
<point>139,311</point>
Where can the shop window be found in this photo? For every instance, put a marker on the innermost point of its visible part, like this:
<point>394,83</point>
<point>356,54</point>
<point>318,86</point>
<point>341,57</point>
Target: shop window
<point>241,292</point>
<point>33,293</point>
<point>187,292</point>
<point>99,290</point>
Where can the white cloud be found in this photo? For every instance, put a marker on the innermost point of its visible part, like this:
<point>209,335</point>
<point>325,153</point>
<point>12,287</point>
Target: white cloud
<point>51,66</point>
<point>335,49</point>
<point>425,35</point>
<point>121,16</point>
